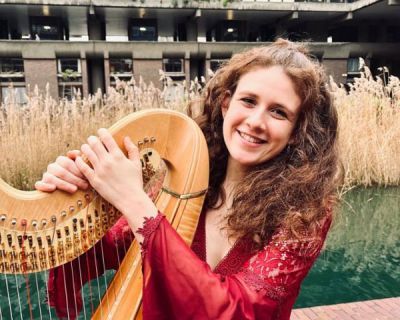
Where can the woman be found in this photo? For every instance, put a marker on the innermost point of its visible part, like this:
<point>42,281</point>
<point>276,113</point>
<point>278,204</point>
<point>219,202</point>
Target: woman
<point>271,129</point>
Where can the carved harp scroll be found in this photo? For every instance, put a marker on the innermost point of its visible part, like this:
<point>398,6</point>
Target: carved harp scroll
<point>40,231</point>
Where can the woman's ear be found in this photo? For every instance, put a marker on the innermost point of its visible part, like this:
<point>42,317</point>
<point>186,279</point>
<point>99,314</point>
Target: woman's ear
<point>225,103</point>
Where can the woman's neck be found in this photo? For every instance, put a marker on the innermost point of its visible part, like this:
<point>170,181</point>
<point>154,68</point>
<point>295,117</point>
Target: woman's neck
<point>234,173</point>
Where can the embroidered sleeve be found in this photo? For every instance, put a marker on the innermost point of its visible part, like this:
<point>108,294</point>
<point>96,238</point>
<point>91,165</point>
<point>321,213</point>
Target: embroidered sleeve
<point>150,225</point>
<point>279,269</point>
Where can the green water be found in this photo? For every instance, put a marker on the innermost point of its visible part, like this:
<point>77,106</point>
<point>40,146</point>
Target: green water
<point>361,261</point>
<point>362,256</point>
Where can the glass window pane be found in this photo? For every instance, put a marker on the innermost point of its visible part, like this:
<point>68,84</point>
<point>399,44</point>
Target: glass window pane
<point>11,65</point>
<point>69,64</point>
<point>353,65</point>
<point>18,94</point>
<point>174,65</point>
<point>146,33</point>
<point>121,65</point>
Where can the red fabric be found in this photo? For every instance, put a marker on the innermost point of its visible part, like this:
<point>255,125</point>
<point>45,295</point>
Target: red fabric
<point>180,285</point>
<point>244,285</point>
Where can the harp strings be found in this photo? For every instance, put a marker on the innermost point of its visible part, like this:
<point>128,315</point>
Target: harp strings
<point>37,287</point>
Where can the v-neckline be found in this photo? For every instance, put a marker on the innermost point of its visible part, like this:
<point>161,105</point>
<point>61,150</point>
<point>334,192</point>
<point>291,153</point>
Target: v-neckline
<point>225,256</point>
<point>233,260</point>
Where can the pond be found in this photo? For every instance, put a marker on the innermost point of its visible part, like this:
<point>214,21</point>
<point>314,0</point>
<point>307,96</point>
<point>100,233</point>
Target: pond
<point>362,256</point>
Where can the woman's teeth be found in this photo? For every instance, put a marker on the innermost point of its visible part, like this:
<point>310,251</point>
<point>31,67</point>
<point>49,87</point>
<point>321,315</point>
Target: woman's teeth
<point>249,138</point>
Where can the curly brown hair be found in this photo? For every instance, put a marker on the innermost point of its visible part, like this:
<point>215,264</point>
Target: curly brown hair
<point>294,189</point>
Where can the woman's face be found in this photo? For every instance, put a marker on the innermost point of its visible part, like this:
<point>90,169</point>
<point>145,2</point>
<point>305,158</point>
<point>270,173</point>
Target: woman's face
<point>260,116</point>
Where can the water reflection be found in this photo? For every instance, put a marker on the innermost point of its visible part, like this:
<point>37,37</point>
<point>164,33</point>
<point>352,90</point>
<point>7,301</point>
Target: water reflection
<point>362,256</point>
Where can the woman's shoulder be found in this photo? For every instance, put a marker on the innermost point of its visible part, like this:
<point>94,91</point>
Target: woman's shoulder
<point>307,243</point>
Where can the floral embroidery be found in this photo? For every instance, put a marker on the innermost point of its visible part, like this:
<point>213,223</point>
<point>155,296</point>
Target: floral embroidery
<point>257,283</point>
<point>281,266</point>
<point>150,225</point>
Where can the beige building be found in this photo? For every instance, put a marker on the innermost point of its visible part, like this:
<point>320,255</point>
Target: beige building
<point>85,44</point>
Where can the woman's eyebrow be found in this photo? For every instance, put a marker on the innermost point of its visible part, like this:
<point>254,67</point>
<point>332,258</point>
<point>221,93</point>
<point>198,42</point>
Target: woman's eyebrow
<point>247,93</point>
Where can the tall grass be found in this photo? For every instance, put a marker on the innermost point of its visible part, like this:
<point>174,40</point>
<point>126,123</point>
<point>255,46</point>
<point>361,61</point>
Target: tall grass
<point>33,135</point>
<point>369,130</point>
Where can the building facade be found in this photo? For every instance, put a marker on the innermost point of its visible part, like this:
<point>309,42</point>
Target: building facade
<point>86,44</point>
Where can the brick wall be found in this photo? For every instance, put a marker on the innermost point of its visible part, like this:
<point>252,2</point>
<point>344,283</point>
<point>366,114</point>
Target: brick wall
<point>336,68</point>
<point>40,72</point>
<point>148,69</point>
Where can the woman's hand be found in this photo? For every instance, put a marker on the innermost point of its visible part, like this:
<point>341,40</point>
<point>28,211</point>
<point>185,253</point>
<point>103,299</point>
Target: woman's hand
<point>63,174</point>
<point>117,178</point>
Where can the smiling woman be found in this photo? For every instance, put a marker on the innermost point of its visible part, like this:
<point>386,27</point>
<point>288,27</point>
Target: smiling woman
<point>260,116</point>
<point>270,128</point>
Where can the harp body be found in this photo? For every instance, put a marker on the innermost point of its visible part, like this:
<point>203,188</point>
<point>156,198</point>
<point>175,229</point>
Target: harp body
<point>40,231</point>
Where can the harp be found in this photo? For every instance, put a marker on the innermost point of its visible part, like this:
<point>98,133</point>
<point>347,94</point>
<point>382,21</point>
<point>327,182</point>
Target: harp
<point>40,231</point>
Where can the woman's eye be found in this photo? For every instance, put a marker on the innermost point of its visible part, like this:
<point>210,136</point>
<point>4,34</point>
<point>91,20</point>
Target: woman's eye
<point>248,101</point>
<point>279,113</point>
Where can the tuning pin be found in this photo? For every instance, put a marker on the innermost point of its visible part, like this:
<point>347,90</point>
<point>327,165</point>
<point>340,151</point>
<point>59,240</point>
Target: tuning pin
<point>3,217</point>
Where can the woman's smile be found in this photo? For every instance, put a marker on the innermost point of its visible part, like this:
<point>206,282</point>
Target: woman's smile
<point>249,139</point>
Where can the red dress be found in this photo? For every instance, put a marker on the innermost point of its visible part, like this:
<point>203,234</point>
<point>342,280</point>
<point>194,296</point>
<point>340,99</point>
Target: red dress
<point>244,285</point>
<point>181,285</point>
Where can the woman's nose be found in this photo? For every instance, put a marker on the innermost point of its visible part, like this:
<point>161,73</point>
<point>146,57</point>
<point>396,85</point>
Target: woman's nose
<point>257,119</point>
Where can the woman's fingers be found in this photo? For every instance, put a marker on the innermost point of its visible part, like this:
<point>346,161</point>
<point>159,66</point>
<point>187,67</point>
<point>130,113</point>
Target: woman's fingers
<point>45,187</point>
<point>66,175</point>
<point>72,154</point>
<point>90,155</point>
<point>50,179</point>
<point>85,169</point>
<point>132,149</point>
<point>97,147</point>
<point>69,165</point>
<point>109,142</point>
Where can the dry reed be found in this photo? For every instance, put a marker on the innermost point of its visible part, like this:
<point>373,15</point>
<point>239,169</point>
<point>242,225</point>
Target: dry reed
<point>369,130</point>
<point>34,134</point>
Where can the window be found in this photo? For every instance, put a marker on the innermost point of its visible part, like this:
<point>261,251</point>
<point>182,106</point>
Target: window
<point>353,65</point>
<point>46,28</point>
<point>173,66</point>
<point>215,64</point>
<point>3,29</point>
<point>353,68</point>
<point>121,68</point>
<point>228,31</point>
<point>69,77</point>
<point>66,64</point>
<point>11,65</point>
<point>143,30</point>
<point>17,94</point>
<point>11,70</point>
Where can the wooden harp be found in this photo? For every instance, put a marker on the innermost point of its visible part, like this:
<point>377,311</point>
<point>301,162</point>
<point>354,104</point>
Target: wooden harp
<point>41,231</point>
